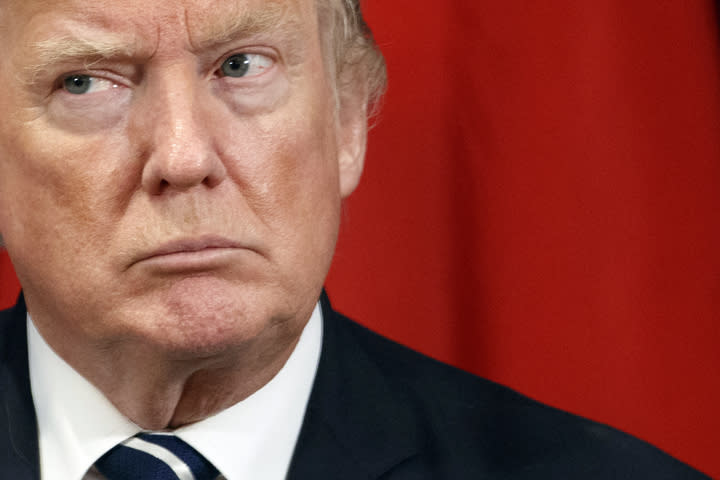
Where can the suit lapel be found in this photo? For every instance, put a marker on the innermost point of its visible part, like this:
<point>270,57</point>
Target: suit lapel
<point>19,457</point>
<point>358,425</point>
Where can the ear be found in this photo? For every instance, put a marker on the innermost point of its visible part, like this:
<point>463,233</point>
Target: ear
<point>352,137</point>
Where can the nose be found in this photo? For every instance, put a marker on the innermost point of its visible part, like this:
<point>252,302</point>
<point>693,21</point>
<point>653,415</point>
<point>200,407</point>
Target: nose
<point>181,153</point>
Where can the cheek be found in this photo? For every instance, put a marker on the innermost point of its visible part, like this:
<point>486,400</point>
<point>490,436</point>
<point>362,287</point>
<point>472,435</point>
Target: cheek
<point>56,195</point>
<point>287,173</point>
<point>286,165</point>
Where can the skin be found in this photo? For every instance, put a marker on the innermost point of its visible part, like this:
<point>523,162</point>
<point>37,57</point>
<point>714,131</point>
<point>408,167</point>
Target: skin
<point>172,228</point>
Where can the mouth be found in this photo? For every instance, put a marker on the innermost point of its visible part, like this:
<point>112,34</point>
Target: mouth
<point>190,255</point>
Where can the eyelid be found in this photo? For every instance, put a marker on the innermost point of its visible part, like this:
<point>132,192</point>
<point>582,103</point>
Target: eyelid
<point>97,84</point>
<point>265,52</point>
<point>97,74</point>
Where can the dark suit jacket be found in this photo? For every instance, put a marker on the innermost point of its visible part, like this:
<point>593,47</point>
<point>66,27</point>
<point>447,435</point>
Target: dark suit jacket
<point>381,411</point>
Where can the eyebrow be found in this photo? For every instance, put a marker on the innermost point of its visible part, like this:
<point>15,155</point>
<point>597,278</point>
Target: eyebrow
<point>76,47</point>
<point>71,48</point>
<point>63,49</point>
<point>273,16</point>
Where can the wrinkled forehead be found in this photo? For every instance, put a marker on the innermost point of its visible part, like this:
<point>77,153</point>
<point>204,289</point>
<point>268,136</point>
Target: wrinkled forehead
<point>151,21</point>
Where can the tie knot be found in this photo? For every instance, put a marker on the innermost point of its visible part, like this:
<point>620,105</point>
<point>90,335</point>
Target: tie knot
<point>155,456</point>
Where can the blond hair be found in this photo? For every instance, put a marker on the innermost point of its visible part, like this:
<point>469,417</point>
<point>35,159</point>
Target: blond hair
<point>356,60</point>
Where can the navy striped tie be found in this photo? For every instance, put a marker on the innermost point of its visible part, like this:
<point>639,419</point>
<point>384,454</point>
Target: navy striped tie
<point>153,456</point>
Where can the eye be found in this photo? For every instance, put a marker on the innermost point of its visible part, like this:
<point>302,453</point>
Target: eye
<point>84,84</point>
<point>245,65</point>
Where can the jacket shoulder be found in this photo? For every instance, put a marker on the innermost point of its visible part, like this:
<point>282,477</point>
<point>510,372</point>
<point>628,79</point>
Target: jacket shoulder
<point>19,455</point>
<point>476,427</point>
<point>12,328</point>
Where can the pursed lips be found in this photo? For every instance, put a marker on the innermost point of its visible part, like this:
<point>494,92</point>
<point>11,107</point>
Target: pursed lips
<point>188,253</point>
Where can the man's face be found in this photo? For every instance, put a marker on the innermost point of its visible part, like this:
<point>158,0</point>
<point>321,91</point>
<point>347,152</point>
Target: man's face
<point>171,171</point>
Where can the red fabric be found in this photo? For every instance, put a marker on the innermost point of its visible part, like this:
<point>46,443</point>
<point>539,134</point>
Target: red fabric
<point>541,205</point>
<point>9,287</point>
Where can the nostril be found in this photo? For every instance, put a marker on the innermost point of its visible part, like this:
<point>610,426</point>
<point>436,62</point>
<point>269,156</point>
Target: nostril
<point>212,181</point>
<point>198,164</point>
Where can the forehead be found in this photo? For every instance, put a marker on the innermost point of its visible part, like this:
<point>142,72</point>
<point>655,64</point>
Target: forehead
<point>151,21</point>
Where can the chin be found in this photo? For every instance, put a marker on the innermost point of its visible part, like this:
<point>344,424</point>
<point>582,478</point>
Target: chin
<point>207,316</point>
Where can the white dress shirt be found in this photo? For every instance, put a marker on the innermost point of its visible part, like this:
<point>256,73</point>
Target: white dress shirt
<point>253,439</point>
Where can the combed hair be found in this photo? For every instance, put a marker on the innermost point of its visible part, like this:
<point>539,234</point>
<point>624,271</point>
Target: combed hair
<point>357,61</point>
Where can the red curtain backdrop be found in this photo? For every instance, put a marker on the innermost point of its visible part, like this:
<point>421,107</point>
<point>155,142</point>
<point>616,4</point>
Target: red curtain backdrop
<point>541,206</point>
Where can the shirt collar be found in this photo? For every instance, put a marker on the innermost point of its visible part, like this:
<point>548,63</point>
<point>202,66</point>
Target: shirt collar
<point>254,438</point>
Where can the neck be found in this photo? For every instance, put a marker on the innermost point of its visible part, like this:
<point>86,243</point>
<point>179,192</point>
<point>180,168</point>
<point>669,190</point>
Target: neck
<point>158,390</point>
<point>170,394</point>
